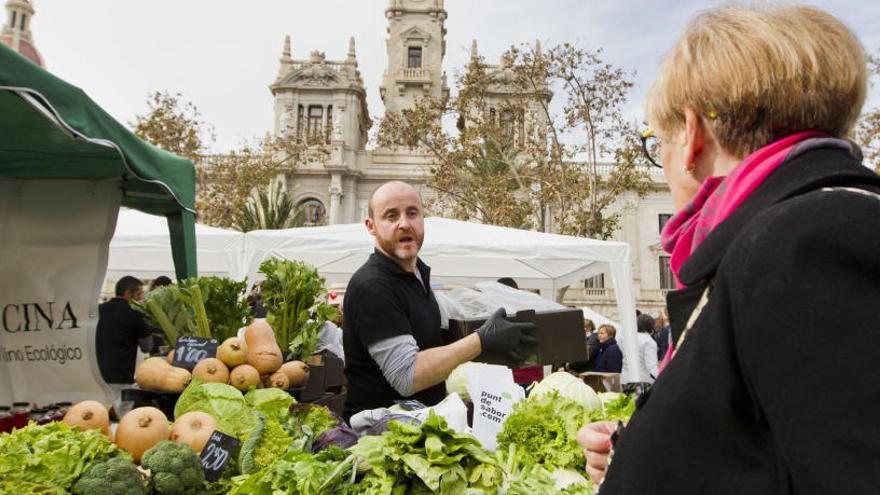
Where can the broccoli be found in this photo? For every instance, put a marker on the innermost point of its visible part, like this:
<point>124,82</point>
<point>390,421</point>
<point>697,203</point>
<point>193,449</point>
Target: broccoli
<point>175,469</point>
<point>117,476</point>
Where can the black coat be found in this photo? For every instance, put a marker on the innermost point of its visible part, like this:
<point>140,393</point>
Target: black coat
<point>610,358</point>
<point>776,389</point>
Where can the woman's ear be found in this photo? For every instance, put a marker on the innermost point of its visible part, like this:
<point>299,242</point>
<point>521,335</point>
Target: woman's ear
<point>693,138</point>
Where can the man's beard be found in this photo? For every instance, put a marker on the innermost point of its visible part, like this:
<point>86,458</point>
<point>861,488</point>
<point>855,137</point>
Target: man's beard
<point>389,246</point>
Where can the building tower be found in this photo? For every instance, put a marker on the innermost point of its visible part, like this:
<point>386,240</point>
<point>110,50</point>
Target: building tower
<point>416,45</point>
<point>16,32</point>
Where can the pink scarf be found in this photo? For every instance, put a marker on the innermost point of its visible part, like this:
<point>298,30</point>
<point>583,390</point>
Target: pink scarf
<point>716,199</point>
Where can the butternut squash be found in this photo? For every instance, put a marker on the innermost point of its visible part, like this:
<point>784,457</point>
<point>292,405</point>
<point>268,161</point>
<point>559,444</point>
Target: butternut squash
<point>244,376</point>
<point>297,373</point>
<point>89,415</point>
<point>141,429</point>
<point>233,351</point>
<point>194,429</point>
<point>157,375</point>
<point>263,352</point>
<point>277,380</point>
<point>211,370</point>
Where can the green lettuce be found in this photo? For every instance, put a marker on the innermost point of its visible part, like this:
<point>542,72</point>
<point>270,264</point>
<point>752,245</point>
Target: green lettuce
<point>544,430</point>
<point>51,456</point>
<point>621,407</point>
<point>223,402</point>
<point>301,473</point>
<point>274,403</point>
<point>429,458</point>
<point>317,419</point>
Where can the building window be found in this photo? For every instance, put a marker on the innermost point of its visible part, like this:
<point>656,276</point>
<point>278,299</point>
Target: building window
<point>329,131</point>
<point>414,61</point>
<point>662,219</point>
<point>300,121</point>
<point>23,18</point>
<point>316,116</point>
<point>667,280</point>
<point>597,282</point>
<point>12,24</point>
<point>315,212</point>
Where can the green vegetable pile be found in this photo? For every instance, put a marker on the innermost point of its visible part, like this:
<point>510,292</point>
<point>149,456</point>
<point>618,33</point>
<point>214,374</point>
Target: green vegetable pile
<point>430,458</point>
<point>544,428</point>
<point>618,406</point>
<point>225,305</point>
<point>291,294</point>
<point>301,473</point>
<point>317,419</point>
<point>266,443</point>
<point>202,307</point>
<point>51,457</point>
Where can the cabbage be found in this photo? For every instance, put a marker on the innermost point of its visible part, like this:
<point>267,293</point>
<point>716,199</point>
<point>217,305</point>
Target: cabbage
<point>458,379</point>
<point>569,387</point>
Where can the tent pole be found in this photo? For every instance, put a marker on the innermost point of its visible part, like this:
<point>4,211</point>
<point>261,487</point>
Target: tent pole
<point>182,229</point>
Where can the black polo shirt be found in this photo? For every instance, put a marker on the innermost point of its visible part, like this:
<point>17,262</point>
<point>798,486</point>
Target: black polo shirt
<point>383,300</point>
<point>116,341</point>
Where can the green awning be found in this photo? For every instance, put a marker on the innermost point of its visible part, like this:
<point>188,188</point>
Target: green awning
<point>50,129</point>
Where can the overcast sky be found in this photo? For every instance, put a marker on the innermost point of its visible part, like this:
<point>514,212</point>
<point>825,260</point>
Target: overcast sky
<point>223,54</point>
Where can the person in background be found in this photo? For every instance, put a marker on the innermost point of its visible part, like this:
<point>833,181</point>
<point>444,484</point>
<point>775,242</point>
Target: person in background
<point>508,282</point>
<point>647,349</point>
<point>662,335</point>
<point>592,349</point>
<point>120,332</point>
<point>610,358</point>
<point>773,383</point>
<point>160,281</point>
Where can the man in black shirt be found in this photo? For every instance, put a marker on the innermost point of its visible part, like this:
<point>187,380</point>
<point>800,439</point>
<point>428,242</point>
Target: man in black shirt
<point>121,329</point>
<point>392,340</point>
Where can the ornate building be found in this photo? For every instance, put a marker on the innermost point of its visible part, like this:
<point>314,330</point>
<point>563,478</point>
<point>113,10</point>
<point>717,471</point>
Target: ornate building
<point>16,32</point>
<point>324,101</point>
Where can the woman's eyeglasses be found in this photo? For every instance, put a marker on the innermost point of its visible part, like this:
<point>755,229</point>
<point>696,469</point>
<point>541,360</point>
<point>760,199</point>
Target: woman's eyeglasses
<point>650,145</point>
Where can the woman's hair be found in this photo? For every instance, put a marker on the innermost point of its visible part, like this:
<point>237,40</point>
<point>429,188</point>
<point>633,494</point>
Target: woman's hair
<point>160,281</point>
<point>609,329</point>
<point>645,323</point>
<point>756,75</point>
<point>589,323</point>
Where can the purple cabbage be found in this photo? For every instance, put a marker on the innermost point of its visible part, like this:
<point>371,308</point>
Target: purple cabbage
<point>342,436</point>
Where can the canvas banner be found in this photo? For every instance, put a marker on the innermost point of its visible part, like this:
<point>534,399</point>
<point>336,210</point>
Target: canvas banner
<point>55,237</point>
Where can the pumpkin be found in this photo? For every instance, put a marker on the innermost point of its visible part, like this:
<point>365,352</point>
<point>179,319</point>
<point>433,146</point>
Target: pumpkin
<point>233,351</point>
<point>141,429</point>
<point>194,429</point>
<point>297,373</point>
<point>263,352</point>
<point>170,357</point>
<point>89,415</point>
<point>277,380</point>
<point>211,370</point>
<point>244,376</point>
<point>156,374</point>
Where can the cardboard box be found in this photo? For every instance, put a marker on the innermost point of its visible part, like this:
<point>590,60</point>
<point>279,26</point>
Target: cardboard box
<point>602,382</point>
<point>560,334</point>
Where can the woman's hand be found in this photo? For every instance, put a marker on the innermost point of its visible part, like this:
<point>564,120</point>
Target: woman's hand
<point>595,439</point>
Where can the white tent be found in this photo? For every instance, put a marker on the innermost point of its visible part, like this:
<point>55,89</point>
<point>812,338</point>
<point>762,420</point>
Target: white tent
<point>464,253</point>
<point>141,247</point>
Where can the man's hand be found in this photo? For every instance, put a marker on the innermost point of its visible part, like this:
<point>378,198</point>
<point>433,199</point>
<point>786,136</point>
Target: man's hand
<point>512,340</point>
<point>595,439</point>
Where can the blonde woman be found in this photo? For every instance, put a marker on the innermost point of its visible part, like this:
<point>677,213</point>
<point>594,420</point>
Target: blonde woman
<point>778,234</point>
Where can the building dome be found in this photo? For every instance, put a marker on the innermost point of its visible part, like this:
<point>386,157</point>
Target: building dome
<point>16,32</point>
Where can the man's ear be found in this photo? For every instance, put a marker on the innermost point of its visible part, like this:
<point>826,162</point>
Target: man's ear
<point>371,228</point>
<point>694,137</point>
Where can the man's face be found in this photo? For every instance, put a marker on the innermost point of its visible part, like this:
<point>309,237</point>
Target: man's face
<point>397,223</point>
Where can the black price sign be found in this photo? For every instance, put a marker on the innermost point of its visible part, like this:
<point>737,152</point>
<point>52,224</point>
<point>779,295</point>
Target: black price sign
<point>191,350</point>
<point>219,450</point>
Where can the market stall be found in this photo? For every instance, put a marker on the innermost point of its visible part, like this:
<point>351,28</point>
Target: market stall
<point>65,168</point>
<point>464,253</point>
<point>141,247</point>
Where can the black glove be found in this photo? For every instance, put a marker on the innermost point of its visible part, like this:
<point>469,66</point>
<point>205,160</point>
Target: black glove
<point>514,341</point>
